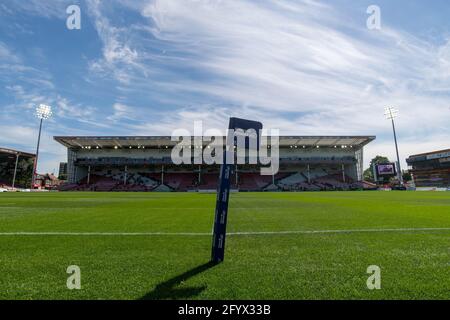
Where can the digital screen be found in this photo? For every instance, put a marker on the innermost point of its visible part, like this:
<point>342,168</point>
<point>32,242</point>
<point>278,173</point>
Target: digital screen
<point>386,169</point>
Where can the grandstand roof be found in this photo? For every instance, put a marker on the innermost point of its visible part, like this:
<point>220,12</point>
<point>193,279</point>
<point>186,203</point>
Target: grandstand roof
<point>16,152</point>
<point>161,141</point>
<point>429,155</point>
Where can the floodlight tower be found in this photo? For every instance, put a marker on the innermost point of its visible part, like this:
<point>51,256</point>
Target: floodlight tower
<point>391,113</point>
<point>43,112</point>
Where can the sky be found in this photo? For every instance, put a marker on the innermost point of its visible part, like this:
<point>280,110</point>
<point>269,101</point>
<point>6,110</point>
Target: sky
<point>147,67</point>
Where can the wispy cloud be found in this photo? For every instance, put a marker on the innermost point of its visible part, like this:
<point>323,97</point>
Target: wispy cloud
<point>306,67</point>
<point>278,57</point>
<point>121,112</point>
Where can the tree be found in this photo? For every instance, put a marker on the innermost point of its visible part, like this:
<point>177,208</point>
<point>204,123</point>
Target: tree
<point>407,176</point>
<point>368,173</point>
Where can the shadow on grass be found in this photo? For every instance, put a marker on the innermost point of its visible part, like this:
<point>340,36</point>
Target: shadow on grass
<point>167,290</point>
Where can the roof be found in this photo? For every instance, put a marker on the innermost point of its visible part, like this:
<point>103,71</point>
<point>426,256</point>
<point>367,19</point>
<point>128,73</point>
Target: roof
<point>159,141</point>
<point>48,176</point>
<point>17,152</point>
<point>429,155</point>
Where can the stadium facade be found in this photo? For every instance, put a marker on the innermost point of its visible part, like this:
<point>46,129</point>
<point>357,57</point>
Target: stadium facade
<point>145,164</point>
<point>431,169</point>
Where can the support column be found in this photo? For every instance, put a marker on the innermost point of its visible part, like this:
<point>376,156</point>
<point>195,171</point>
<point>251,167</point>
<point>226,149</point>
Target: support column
<point>15,171</point>
<point>399,168</point>
<point>343,173</point>
<point>237,175</point>
<point>162,174</point>
<point>309,174</point>
<point>33,178</point>
<point>125,176</point>
<point>199,174</point>
<point>89,176</point>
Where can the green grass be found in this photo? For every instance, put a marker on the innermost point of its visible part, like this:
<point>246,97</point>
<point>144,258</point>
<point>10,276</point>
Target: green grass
<point>414,264</point>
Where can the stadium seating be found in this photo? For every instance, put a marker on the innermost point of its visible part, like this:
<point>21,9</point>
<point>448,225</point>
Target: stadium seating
<point>180,181</point>
<point>253,181</point>
<point>333,182</point>
<point>100,183</point>
<point>247,182</point>
<point>293,179</point>
<point>114,180</point>
<point>208,181</point>
<point>320,179</point>
<point>68,187</point>
<point>5,185</point>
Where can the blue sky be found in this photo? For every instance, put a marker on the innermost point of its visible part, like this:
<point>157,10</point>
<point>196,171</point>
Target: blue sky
<point>143,67</point>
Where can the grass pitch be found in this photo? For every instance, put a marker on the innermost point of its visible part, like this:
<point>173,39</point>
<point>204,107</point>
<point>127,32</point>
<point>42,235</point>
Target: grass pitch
<point>157,246</point>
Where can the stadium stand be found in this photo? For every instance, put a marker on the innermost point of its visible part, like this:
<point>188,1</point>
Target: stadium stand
<point>24,169</point>
<point>307,163</point>
<point>430,169</point>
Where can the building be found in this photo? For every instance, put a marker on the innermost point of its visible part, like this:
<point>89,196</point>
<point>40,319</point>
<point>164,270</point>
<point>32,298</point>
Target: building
<point>431,169</point>
<point>46,181</point>
<point>144,164</point>
<point>16,168</point>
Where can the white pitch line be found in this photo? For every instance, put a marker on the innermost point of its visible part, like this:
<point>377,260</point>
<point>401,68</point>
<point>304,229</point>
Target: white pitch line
<point>339,231</point>
<point>249,233</point>
<point>126,234</point>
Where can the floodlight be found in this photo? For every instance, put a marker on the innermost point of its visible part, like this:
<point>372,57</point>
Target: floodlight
<point>44,112</point>
<point>390,113</point>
